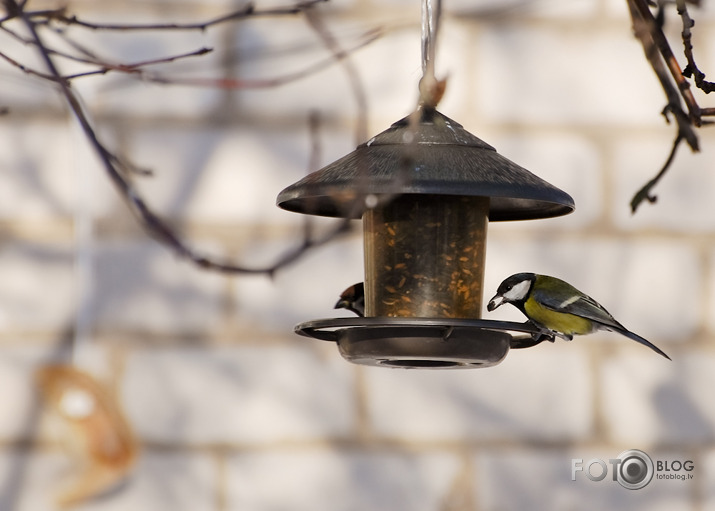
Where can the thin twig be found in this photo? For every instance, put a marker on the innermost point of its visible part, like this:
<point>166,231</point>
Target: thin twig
<point>691,69</point>
<point>245,12</point>
<point>315,21</point>
<point>645,192</point>
<point>137,67</point>
<point>25,69</point>
<point>90,59</point>
<point>263,83</point>
<point>666,52</point>
<point>149,220</point>
<point>674,84</point>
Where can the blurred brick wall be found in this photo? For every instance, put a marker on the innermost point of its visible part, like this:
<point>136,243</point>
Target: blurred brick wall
<point>235,412</point>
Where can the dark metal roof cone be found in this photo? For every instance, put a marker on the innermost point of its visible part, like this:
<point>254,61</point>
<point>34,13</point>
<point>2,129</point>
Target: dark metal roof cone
<point>435,155</point>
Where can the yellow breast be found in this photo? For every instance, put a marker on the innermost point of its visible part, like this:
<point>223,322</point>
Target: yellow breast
<point>561,322</point>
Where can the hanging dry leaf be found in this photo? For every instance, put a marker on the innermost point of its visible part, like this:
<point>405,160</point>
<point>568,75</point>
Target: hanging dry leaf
<point>98,436</point>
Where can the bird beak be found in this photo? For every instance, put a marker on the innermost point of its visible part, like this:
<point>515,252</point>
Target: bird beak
<point>342,304</point>
<point>495,302</point>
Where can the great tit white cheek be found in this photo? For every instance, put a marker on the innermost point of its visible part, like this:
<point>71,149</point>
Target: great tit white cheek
<point>518,292</point>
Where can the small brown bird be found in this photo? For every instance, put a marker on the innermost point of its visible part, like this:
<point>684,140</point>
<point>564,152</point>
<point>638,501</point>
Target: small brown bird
<point>353,299</point>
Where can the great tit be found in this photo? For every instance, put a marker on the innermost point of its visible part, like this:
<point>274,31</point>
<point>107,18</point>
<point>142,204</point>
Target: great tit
<point>353,299</point>
<point>558,307</point>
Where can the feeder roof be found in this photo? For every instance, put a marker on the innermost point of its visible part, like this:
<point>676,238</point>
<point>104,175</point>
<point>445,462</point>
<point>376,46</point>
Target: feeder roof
<point>429,155</point>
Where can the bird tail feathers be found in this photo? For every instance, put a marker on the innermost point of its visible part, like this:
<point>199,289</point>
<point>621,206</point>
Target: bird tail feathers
<point>640,339</point>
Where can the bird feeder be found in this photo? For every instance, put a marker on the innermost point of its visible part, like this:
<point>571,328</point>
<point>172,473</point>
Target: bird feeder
<point>425,190</point>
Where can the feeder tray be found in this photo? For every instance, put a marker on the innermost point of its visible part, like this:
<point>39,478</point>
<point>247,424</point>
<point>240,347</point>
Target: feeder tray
<point>423,343</point>
<point>425,189</point>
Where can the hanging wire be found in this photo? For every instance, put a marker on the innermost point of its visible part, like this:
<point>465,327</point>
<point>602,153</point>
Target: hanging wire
<point>431,89</point>
<point>431,12</point>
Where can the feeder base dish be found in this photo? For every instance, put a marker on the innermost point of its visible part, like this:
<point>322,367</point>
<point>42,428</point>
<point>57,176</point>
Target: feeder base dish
<point>422,343</point>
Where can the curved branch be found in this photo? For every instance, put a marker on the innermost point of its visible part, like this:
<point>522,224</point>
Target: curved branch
<point>676,87</point>
<point>691,69</point>
<point>645,192</point>
<point>150,221</point>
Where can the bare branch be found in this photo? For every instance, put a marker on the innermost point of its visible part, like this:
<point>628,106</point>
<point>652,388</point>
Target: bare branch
<point>645,192</point>
<point>25,69</point>
<point>136,67</point>
<point>149,220</point>
<point>676,87</point>
<point>262,83</point>
<point>316,23</point>
<point>91,59</point>
<point>245,12</point>
<point>691,69</point>
<point>666,53</point>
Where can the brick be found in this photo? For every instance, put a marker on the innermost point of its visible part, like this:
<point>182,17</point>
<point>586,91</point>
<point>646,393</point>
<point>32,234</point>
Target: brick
<point>616,9</point>
<point>542,75</point>
<point>37,285</point>
<point>278,48</point>
<point>568,161</point>
<point>97,197</point>
<point>142,285</point>
<point>617,274</point>
<point>125,95</point>
<point>684,199</point>
<point>304,291</point>
<point>577,10</point>
<point>152,99</point>
<point>337,480</point>
<point>22,417</point>
<point>205,174</point>
<point>31,480</point>
<point>452,62</point>
<point>709,320</point>
<point>19,414</point>
<point>390,84</point>
<point>36,184</point>
<point>21,91</point>
<point>479,404</point>
<point>179,480</point>
<point>248,394</point>
<point>701,14</point>
<point>231,174</point>
<point>705,476</point>
<point>647,401</point>
<point>516,479</point>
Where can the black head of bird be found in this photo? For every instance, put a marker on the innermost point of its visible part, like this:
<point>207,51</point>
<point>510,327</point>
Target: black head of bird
<point>556,306</point>
<point>353,299</point>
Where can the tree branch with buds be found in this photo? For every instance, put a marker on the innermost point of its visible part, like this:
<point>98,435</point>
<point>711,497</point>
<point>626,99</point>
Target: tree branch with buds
<point>648,29</point>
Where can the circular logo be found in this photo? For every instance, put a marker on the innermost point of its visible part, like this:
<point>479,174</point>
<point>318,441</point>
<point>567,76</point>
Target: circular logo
<point>635,470</point>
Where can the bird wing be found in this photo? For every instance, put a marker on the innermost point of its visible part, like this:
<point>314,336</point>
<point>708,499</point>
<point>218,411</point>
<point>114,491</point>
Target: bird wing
<point>567,299</point>
<point>574,302</point>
